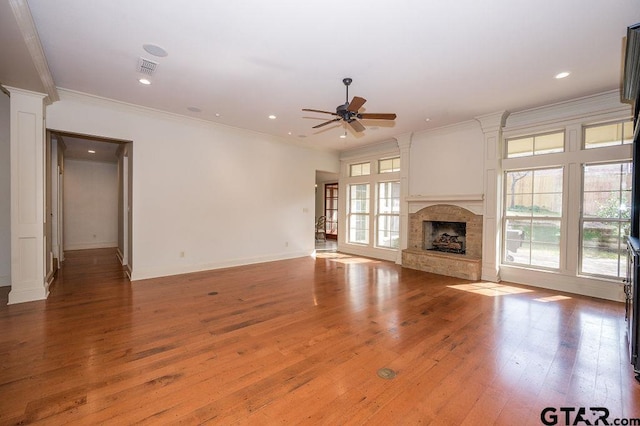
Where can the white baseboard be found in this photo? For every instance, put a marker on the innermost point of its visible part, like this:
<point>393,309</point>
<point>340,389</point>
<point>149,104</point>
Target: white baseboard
<point>28,295</point>
<point>88,246</point>
<point>366,251</point>
<point>142,273</point>
<point>585,286</point>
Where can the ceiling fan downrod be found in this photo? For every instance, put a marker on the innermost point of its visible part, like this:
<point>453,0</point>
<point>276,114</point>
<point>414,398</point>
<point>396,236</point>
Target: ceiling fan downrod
<point>347,81</point>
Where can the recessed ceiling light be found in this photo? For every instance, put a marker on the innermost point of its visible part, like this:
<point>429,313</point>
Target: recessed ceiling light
<point>155,50</point>
<point>91,151</point>
<point>343,136</point>
<point>427,119</point>
<point>194,109</point>
<point>272,117</point>
<point>562,74</point>
<point>144,81</point>
<point>217,114</point>
<point>289,133</point>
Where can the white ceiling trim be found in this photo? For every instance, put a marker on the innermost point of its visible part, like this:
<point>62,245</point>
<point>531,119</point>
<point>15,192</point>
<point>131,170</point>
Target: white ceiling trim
<point>28,29</point>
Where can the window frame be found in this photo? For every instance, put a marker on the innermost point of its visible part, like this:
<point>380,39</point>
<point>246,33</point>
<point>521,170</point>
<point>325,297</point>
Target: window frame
<point>393,214</point>
<point>533,147</point>
<point>393,169</point>
<point>353,166</point>
<point>572,158</point>
<point>531,217</point>
<point>619,221</point>
<point>609,123</point>
<point>364,214</point>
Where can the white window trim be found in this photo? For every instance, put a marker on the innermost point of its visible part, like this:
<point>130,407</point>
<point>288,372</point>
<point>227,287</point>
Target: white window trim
<point>377,214</point>
<point>567,278</point>
<point>372,155</point>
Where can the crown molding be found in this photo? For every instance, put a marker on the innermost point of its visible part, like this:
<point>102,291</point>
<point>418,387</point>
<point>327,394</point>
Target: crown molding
<point>561,112</point>
<point>27,27</point>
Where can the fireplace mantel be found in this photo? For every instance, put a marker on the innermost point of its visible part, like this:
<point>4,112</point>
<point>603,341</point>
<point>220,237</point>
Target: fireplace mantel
<point>471,202</point>
<point>445,198</point>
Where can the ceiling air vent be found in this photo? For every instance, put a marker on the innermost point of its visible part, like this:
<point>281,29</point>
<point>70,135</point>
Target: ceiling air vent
<point>146,66</point>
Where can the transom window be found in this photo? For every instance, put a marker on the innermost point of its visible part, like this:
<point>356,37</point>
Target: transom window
<point>535,145</point>
<point>360,169</point>
<point>389,165</point>
<point>612,134</point>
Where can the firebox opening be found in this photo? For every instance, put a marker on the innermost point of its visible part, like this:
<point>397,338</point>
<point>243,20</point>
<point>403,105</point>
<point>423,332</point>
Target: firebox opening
<point>449,237</point>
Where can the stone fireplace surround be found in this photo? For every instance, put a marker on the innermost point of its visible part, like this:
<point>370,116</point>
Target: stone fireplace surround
<point>467,266</point>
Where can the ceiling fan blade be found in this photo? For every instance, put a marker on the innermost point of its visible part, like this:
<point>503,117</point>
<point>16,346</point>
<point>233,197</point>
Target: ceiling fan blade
<point>377,116</point>
<point>326,122</point>
<point>317,110</point>
<point>356,125</point>
<point>356,104</point>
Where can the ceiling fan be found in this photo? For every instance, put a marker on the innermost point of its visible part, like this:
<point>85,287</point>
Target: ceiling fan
<point>349,112</point>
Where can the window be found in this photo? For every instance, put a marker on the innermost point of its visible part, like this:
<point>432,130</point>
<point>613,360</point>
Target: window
<point>358,214</point>
<point>331,208</point>
<point>606,211</point>
<point>389,165</point>
<point>533,212</point>
<point>388,235</point>
<point>535,145</point>
<point>608,135</point>
<point>360,169</point>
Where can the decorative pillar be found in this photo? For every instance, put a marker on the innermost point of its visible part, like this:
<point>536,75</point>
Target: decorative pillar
<point>404,143</point>
<point>28,281</point>
<point>492,125</point>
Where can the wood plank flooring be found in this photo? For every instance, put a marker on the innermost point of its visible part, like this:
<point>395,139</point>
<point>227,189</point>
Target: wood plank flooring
<point>301,341</point>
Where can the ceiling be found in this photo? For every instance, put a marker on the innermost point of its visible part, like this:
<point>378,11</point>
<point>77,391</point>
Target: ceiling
<point>432,63</point>
<point>81,148</point>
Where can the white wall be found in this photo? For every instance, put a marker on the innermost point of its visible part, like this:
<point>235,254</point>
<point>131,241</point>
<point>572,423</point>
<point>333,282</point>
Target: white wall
<point>447,161</point>
<point>204,195</point>
<point>5,192</point>
<point>91,205</point>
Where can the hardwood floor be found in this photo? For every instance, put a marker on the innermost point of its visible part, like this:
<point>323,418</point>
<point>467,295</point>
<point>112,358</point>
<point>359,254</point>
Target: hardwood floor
<point>301,341</point>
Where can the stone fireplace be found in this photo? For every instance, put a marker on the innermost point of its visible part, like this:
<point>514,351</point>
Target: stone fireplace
<point>445,239</point>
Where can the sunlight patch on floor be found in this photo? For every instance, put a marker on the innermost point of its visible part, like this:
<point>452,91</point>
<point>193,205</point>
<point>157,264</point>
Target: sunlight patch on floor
<point>552,298</point>
<point>490,289</point>
<point>343,258</point>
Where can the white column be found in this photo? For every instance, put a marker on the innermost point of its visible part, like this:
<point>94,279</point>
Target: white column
<point>404,143</point>
<point>27,197</point>
<point>492,125</point>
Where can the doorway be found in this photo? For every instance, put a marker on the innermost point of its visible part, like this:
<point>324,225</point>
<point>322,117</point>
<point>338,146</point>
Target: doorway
<point>90,201</point>
<point>327,206</point>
